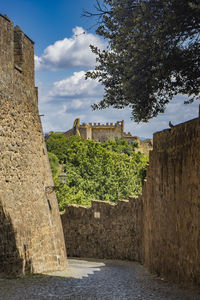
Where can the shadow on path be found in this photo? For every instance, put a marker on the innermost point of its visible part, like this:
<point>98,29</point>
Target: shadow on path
<point>11,263</point>
<point>99,279</point>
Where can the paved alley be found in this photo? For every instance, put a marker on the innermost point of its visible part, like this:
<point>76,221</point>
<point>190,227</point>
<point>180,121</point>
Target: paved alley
<point>94,280</point>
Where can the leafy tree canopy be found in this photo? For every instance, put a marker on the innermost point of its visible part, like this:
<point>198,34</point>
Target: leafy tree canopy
<point>153,53</point>
<point>103,171</point>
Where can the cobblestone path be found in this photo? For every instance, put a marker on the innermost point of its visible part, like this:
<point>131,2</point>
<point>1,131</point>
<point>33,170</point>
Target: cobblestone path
<point>91,280</point>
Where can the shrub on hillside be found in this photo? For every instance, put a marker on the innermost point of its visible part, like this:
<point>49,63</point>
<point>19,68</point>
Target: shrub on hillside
<point>103,171</point>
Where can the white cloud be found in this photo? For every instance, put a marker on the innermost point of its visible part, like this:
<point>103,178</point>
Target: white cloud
<point>72,97</point>
<point>76,86</point>
<point>60,115</point>
<point>70,52</point>
<point>69,99</point>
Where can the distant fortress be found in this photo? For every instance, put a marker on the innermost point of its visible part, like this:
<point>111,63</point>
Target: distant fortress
<point>100,132</point>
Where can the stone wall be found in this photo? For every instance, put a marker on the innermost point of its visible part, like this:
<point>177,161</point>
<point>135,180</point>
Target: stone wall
<point>162,227</point>
<point>98,132</point>
<point>102,135</point>
<point>31,234</point>
<point>171,197</point>
<point>104,230</point>
<point>85,132</point>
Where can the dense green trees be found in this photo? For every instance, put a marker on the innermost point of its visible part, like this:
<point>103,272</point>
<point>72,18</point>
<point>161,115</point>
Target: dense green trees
<point>102,171</point>
<point>153,53</point>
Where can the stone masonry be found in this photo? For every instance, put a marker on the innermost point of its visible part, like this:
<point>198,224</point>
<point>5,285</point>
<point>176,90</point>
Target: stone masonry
<point>31,237</point>
<point>171,197</point>
<point>162,227</point>
<point>100,132</point>
<point>104,230</point>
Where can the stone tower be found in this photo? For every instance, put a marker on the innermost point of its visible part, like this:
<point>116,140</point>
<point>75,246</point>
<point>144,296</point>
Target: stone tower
<point>97,132</point>
<point>31,237</point>
<point>101,132</point>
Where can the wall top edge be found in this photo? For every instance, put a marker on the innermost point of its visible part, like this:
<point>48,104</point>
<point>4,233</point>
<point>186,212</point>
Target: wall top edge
<point>100,125</point>
<point>6,18</point>
<point>76,206</point>
<point>19,29</point>
<point>98,204</point>
<point>177,126</point>
<point>29,38</point>
<point>118,123</point>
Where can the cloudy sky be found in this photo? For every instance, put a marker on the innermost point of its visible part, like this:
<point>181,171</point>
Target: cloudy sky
<point>62,56</point>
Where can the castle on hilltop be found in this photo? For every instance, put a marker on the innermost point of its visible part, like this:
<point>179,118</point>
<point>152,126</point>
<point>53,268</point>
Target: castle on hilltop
<point>100,132</point>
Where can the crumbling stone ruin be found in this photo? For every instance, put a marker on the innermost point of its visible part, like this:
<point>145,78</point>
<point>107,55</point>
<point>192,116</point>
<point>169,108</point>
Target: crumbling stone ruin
<point>31,237</point>
<point>100,132</point>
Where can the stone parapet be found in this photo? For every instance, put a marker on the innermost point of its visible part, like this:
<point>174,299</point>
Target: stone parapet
<point>97,131</point>
<point>104,230</point>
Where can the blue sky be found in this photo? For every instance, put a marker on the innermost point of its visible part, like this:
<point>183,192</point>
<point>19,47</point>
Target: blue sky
<point>62,56</point>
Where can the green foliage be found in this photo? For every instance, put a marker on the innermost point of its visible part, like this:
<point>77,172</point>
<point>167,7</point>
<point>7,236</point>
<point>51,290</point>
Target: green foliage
<point>57,144</point>
<point>120,146</point>
<point>54,163</point>
<point>153,54</point>
<point>103,171</point>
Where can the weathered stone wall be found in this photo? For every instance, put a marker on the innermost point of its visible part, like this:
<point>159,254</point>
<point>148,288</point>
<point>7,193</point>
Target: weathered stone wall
<point>171,199</point>
<point>31,234</point>
<point>102,134</point>
<point>85,132</point>
<point>104,230</point>
<point>97,132</point>
<point>10,260</point>
<point>162,227</point>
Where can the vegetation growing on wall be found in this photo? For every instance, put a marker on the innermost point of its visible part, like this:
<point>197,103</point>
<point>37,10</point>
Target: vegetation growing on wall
<point>103,171</point>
